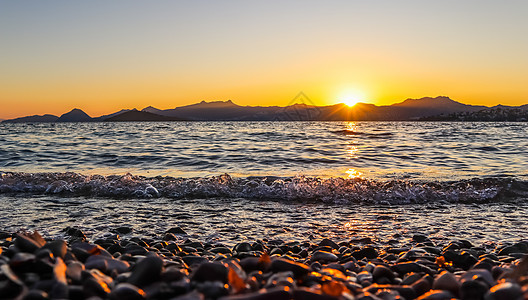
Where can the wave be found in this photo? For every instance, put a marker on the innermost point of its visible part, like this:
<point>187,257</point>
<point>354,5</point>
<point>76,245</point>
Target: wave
<point>347,132</point>
<point>298,188</point>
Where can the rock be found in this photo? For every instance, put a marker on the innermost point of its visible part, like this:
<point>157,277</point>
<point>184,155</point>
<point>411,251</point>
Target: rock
<point>12,286</point>
<point>243,247</point>
<point>382,272</point>
<point>279,293</point>
<point>123,230</point>
<point>324,256</point>
<point>95,288</point>
<point>26,244</point>
<point>176,230</point>
<point>419,238</point>
<point>74,270</point>
<point>436,295</point>
<point>406,267</point>
<point>75,233</point>
<point>284,265</point>
<point>367,252</point>
<point>505,291</point>
<point>127,291</point>
<point>106,264</point>
<point>36,295</point>
<point>146,271</point>
<point>58,248</point>
<point>194,260</point>
<point>210,272</point>
<point>446,281</point>
<point>478,274</point>
<point>473,289</point>
<point>329,243</point>
<point>222,250</point>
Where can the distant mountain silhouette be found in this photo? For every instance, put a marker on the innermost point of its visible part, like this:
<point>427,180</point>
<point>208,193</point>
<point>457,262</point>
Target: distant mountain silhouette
<point>75,115</point>
<point>499,113</point>
<point>427,108</point>
<point>136,116</point>
<point>105,117</point>
<point>34,118</point>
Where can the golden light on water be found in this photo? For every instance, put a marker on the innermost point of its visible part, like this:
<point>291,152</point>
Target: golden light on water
<point>353,173</point>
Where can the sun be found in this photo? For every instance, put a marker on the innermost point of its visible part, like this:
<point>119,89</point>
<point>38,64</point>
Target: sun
<point>351,98</point>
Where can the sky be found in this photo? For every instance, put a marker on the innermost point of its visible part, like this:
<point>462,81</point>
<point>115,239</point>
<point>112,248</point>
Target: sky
<point>102,56</point>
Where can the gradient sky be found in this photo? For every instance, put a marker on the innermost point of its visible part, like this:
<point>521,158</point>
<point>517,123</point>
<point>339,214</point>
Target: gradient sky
<point>102,56</point>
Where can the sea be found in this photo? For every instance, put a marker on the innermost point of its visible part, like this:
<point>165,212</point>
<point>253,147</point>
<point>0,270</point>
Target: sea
<point>232,181</point>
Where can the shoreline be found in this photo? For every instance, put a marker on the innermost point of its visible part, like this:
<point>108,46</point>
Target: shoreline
<point>159,268</point>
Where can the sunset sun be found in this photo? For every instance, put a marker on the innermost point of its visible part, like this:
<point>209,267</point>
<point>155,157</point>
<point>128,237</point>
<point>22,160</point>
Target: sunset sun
<point>351,98</point>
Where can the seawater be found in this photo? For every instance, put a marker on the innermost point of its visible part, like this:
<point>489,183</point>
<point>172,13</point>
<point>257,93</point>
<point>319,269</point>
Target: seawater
<point>374,150</point>
<point>230,180</point>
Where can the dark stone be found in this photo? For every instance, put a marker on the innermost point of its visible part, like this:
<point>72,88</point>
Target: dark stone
<point>222,250</point>
<point>406,267</point>
<point>437,295</point>
<point>210,272</point>
<point>473,289</point>
<point>176,230</point>
<point>324,256</point>
<point>93,287</point>
<point>194,260</point>
<point>278,293</point>
<point>282,265</point>
<point>146,271</point>
<point>329,243</point>
<point>58,248</point>
<point>25,244</point>
<point>75,232</point>
<point>123,230</point>
<point>243,247</point>
<point>127,291</point>
<point>367,252</point>
<point>382,272</point>
<point>36,295</point>
<point>505,291</point>
<point>419,238</point>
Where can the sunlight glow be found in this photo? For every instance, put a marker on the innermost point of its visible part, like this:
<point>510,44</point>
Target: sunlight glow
<point>352,97</point>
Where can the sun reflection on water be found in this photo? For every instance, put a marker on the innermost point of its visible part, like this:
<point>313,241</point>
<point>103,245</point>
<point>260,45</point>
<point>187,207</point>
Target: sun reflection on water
<point>353,173</point>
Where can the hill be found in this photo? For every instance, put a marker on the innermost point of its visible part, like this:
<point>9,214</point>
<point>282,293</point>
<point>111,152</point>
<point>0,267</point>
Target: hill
<point>75,115</point>
<point>33,119</point>
<point>138,116</point>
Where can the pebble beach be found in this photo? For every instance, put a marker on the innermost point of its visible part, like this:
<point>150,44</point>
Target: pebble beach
<point>174,266</point>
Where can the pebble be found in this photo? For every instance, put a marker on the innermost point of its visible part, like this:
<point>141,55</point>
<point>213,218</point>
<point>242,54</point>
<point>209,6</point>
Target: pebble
<point>164,267</point>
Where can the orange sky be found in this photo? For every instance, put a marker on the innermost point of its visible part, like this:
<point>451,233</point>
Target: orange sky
<point>102,57</point>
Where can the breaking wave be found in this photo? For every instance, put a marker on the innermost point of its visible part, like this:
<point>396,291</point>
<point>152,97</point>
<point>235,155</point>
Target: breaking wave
<point>298,188</point>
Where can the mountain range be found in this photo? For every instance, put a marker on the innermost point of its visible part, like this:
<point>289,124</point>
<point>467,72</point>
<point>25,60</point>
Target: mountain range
<point>427,108</point>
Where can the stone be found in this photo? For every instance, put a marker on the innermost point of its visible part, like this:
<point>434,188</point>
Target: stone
<point>381,271</point>
<point>436,295</point>
<point>284,265</point>
<point>36,295</point>
<point>210,272</point>
<point>58,248</point>
<point>176,230</point>
<point>243,247</point>
<point>127,291</point>
<point>324,256</point>
<point>505,291</point>
<point>192,260</point>
<point>146,271</point>
<point>329,243</point>
<point>367,252</point>
<point>446,281</point>
<point>26,244</point>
